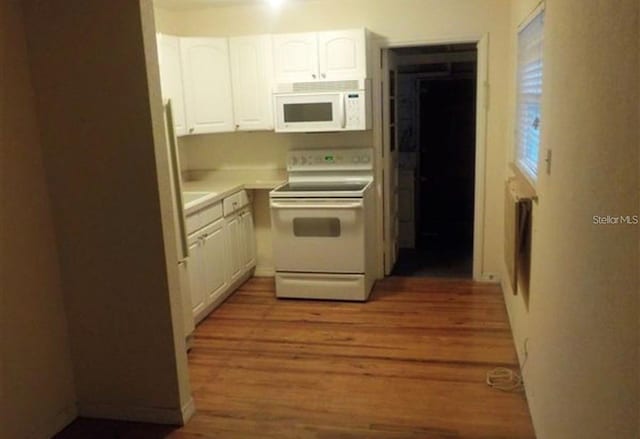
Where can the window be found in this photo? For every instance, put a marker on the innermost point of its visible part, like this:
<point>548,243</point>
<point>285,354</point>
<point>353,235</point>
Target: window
<point>529,95</point>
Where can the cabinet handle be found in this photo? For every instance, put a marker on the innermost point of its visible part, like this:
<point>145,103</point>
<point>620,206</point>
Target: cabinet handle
<point>191,130</point>
<point>313,75</point>
<point>324,75</point>
<point>237,126</point>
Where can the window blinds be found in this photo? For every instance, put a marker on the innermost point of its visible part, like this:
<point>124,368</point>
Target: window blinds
<point>529,95</point>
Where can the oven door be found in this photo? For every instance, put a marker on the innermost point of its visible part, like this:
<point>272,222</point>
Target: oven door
<point>318,235</point>
<point>309,112</point>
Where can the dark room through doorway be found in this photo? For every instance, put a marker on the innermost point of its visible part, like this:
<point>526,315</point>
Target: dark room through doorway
<point>436,122</point>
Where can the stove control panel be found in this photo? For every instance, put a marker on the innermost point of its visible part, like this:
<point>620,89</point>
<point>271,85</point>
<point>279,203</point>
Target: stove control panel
<point>334,159</point>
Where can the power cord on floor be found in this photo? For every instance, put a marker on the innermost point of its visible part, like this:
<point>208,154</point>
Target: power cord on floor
<point>508,380</point>
<point>505,379</point>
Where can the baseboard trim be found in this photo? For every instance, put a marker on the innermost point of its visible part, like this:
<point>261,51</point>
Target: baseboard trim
<point>188,410</point>
<point>155,415</point>
<point>56,423</point>
<point>265,272</point>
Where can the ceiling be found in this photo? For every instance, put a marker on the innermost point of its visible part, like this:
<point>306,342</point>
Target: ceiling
<point>194,4</point>
<point>188,4</point>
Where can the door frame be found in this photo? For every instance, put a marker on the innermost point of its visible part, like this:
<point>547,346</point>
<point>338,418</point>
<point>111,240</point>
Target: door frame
<point>482,109</point>
<point>390,219</point>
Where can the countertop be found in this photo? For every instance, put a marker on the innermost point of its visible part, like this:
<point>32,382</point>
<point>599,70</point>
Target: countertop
<point>222,183</point>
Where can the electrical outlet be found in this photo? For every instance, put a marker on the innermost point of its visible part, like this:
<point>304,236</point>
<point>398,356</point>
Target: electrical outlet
<point>490,277</point>
<point>547,161</point>
<point>525,349</point>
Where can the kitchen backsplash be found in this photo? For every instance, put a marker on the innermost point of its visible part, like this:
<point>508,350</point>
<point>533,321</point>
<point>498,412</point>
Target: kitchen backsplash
<point>260,149</point>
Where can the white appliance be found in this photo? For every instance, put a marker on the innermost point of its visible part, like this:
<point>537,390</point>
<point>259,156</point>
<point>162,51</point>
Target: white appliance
<point>323,106</point>
<point>179,218</point>
<point>323,225</point>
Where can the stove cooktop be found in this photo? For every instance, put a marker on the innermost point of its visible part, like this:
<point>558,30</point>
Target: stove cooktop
<point>321,189</point>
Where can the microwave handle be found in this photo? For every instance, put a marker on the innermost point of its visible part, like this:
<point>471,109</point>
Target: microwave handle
<point>343,123</point>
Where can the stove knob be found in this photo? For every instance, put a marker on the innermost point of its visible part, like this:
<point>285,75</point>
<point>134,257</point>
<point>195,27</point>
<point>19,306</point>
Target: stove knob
<point>294,161</point>
<point>303,160</point>
<point>365,159</point>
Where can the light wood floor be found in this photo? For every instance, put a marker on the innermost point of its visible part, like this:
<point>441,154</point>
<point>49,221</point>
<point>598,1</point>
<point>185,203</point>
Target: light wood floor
<point>410,363</point>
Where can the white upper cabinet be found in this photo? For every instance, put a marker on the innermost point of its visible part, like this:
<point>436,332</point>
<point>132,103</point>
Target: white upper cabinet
<point>320,56</point>
<point>223,85</point>
<point>252,79</point>
<point>207,85</point>
<point>295,57</point>
<point>171,79</point>
<point>342,54</point>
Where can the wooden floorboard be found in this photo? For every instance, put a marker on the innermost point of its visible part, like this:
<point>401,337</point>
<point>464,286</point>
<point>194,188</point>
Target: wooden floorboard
<point>409,363</point>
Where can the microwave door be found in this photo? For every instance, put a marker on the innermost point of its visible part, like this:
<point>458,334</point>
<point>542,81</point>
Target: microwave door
<point>306,112</point>
<point>309,112</point>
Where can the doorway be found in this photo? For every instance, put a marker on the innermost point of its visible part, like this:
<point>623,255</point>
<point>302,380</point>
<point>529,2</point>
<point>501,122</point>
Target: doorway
<point>435,119</point>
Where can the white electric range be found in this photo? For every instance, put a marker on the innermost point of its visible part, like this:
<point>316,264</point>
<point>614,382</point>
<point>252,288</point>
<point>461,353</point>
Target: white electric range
<point>323,225</point>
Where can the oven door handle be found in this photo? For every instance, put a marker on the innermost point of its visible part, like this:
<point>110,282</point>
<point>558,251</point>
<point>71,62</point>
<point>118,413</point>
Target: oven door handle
<point>352,205</point>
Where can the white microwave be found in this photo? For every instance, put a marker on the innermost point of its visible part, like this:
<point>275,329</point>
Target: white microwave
<point>311,107</point>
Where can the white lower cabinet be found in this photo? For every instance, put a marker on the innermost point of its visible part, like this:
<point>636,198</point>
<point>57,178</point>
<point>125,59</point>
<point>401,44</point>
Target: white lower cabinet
<point>248,233</point>
<point>234,245</point>
<point>241,242</point>
<point>195,266</point>
<point>221,251</point>
<point>215,272</point>
<point>207,267</point>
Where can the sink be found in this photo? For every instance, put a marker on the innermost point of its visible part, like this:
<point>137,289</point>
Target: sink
<point>190,197</point>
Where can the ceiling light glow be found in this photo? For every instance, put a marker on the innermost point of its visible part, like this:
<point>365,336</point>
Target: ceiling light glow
<point>275,3</point>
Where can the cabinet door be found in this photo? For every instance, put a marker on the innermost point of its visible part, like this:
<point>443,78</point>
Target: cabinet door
<point>295,57</point>
<point>252,76</point>
<point>171,79</point>
<point>249,240</point>
<point>207,85</point>
<point>342,54</point>
<point>214,256</point>
<point>194,265</point>
<point>234,247</point>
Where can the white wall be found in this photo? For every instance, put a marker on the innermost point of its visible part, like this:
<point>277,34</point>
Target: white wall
<point>582,322</point>
<point>101,123</point>
<point>395,20</point>
<point>37,395</point>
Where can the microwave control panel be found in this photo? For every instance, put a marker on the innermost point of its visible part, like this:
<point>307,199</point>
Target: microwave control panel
<point>355,106</point>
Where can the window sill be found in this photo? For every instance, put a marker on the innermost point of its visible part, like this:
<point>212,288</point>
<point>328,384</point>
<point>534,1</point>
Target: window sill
<point>521,184</point>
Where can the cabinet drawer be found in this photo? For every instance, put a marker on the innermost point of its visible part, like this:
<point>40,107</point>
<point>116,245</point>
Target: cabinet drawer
<point>201,218</point>
<point>193,222</point>
<point>234,202</point>
<point>211,213</point>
